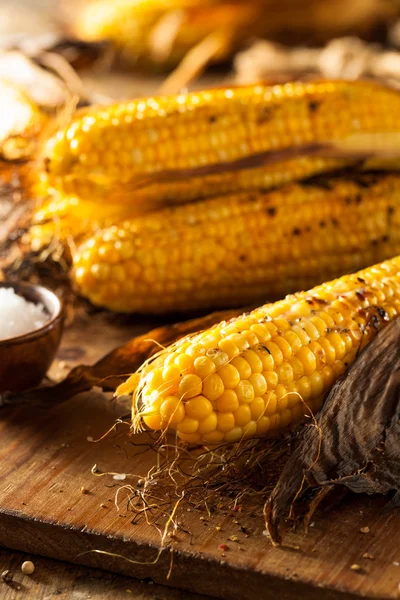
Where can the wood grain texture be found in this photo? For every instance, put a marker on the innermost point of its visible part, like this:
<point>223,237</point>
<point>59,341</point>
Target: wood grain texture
<point>46,458</point>
<point>53,578</point>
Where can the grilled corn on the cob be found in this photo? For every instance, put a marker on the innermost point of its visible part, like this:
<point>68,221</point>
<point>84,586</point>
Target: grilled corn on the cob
<point>207,138</point>
<point>268,368</point>
<point>163,31</point>
<point>241,249</point>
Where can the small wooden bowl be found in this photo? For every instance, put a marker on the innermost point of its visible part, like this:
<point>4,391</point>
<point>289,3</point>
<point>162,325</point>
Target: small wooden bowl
<point>24,359</point>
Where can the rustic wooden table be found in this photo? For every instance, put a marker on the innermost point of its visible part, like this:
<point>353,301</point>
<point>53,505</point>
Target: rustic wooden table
<point>63,580</point>
<point>53,578</point>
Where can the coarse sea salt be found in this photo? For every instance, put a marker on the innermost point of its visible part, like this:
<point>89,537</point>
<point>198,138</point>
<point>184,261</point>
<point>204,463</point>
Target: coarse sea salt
<point>18,316</point>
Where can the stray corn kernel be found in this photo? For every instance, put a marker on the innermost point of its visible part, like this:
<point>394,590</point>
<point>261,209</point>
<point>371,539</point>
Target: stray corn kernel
<point>28,567</point>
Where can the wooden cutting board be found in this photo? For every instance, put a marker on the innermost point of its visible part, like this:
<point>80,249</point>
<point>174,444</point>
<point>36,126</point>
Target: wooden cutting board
<point>46,459</point>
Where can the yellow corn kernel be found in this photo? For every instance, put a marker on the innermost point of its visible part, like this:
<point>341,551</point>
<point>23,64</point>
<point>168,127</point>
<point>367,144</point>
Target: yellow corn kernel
<point>190,386</point>
<point>295,386</point>
<point>172,411</point>
<point>187,425</point>
<point>242,367</point>
<point>198,408</point>
<point>257,380</point>
<point>228,401</point>
<point>142,284</point>
<point>209,424</point>
<point>213,387</point>
<point>225,422</point>
<point>204,366</point>
<point>230,376</point>
<point>244,392</point>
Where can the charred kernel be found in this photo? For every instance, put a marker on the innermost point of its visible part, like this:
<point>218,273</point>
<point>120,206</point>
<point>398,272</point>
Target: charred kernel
<point>265,357</point>
<point>228,401</point>
<point>242,367</point>
<point>244,392</point>
<point>198,408</point>
<point>230,376</point>
<point>275,352</point>
<point>172,410</point>
<point>190,386</point>
<point>203,366</point>
<point>213,387</point>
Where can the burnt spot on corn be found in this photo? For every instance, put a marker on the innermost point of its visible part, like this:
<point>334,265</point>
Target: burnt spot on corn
<point>266,114</point>
<point>296,231</point>
<point>313,106</point>
<point>335,222</point>
<point>322,224</point>
<point>242,257</point>
<point>212,119</point>
<point>271,211</point>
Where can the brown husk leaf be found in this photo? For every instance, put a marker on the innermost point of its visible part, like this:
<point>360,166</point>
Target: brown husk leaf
<point>355,442</point>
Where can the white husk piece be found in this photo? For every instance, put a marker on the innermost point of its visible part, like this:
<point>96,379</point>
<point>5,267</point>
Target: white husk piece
<point>18,316</point>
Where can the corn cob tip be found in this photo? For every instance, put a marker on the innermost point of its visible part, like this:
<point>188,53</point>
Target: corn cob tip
<point>267,369</point>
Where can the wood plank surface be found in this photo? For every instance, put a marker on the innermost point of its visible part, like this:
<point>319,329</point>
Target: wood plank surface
<point>46,458</point>
<point>54,578</point>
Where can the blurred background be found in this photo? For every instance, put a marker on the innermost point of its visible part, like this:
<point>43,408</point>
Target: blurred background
<point>123,48</point>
